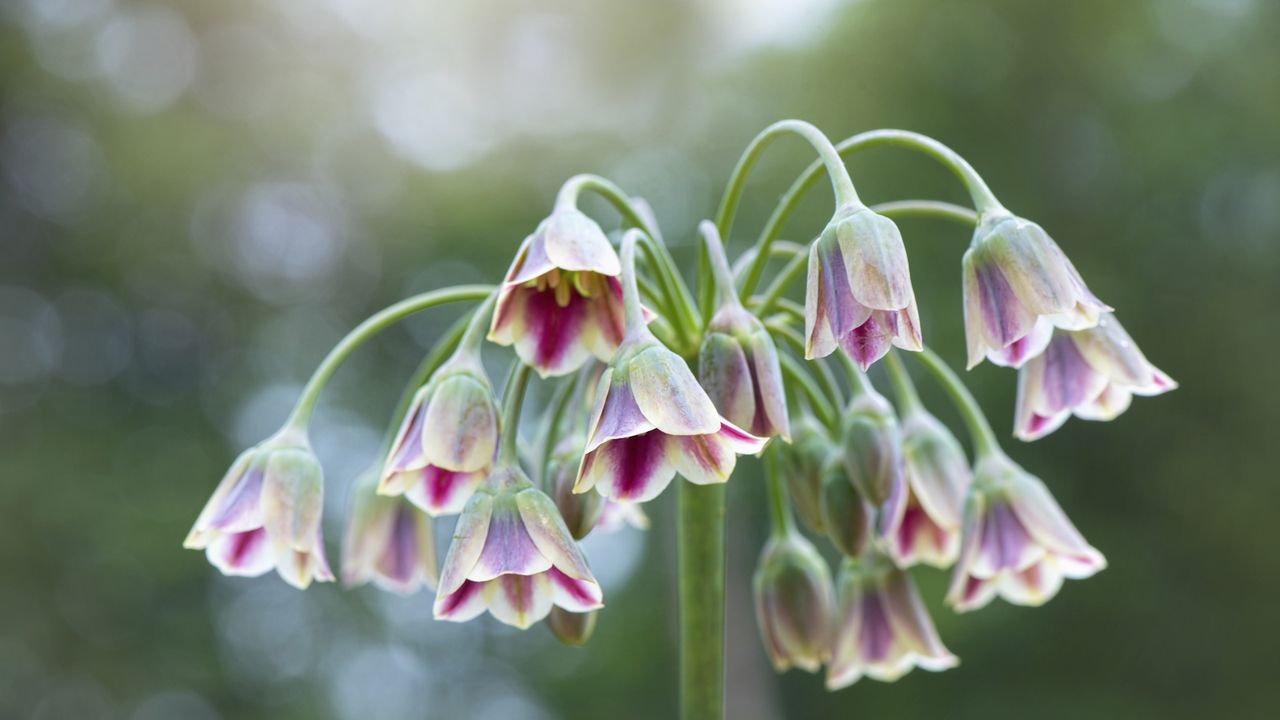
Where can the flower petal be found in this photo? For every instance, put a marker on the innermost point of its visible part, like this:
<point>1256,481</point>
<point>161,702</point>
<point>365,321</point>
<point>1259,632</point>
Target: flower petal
<point>468,542</point>
<point>668,394</point>
<point>508,549</point>
<point>550,534</point>
<point>460,424</point>
<point>441,492</point>
<point>573,241</point>
<point>633,469</point>
<point>575,595</point>
<point>519,600</point>
<point>243,554</point>
<point>465,603</point>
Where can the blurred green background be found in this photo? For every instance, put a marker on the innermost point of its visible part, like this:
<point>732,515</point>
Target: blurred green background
<point>197,199</point>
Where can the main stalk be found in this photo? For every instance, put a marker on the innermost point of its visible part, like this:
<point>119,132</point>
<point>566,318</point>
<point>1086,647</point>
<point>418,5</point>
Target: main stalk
<point>701,564</point>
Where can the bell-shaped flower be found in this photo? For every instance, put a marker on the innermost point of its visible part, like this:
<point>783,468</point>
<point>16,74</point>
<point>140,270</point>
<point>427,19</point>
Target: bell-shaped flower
<point>1092,374</point>
<point>738,366</point>
<point>1018,286</point>
<point>389,541</point>
<point>571,628</point>
<point>447,441</point>
<point>513,556</point>
<point>872,447</point>
<point>651,421</point>
<point>581,511</point>
<point>561,302</point>
<point>882,628</point>
<point>802,464</point>
<point>1016,541</point>
<point>859,294</point>
<point>924,522</point>
<point>266,514</point>
<point>847,518</point>
<point>794,602</point>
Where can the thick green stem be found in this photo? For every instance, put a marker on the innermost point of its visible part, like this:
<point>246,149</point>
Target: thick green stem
<point>983,198</point>
<point>984,439</point>
<point>700,538</point>
<point>367,329</point>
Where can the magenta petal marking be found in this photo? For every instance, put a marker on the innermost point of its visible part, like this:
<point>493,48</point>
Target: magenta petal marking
<point>740,441</point>
<point>245,554</point>
<point>451,603</point>
<point>575,595</point>
<point>875,637</point>
<point>555,328</point>
<point>443,492</point>
<point>634,462</point>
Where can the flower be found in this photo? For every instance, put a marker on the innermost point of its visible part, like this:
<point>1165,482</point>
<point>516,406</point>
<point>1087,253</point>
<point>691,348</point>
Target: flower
<point>1092,373</point>
<point>1018,286</point>
<point>266,514</point>
<point>794,602</point>
<point>738,366</point>
<point>561,302</point>
<point>872,447</point>
<point>924,523</point>
<point>882,628</point>
<point>581,511</point>
<point>513,556</point>
<point>846,516</point>
<point>446,443</point>
<point>802,463</point>
<point>571,628</point>
<point>388,541</point>
<point>1016,541</point>
<point>859,292</point>
<point>651,421</point>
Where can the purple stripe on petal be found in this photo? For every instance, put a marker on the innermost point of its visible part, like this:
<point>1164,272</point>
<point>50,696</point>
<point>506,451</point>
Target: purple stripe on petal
<point>635,467</point>
<point>245,554</point>
<point>1068,379</point>
<point>1005,543</point>
<point>574,595</point>
<point>400,556</point>
<point>1002,312</point>
<point>619,415</point>
<point>875,633</point>
<point>461,605</point>
<point>740,441</point>
<point>406,454</point>
<point>240,509</point>
<point>508,549</point>
<point>443,492</point>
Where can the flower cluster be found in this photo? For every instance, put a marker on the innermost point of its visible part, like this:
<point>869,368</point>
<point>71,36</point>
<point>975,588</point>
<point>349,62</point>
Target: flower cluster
<point>648,380</point>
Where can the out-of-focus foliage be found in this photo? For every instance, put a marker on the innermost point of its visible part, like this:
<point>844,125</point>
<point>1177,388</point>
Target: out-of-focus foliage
<point>196,199</point>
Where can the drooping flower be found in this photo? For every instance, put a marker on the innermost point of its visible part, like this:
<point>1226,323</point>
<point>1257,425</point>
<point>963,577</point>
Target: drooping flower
<point>265,513</point>
<point>882,628</point>
<point>581,511</point>
<point>447,441</point>
<point>389,541</point>
<point>859,294</point>
<point>652,419</point>
<point>872,447</point>
<point>513,556</point>
<point>561,302</point>
<point>1018,286</point>
<point>1092,373</point>
<point>738,366</point>
<point>1016,541</point>
<point>924,523</point>
<point>794,603</point>
<point>847,518</point>
<point>802,464</point>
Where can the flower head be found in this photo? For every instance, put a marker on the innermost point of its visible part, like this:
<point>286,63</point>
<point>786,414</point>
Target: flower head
<point>738,366</point>
<point>1016,541</point>
<point>513,556</point>
<point>266,514</point>
<point>651,421</point>
<point>447,441</point>
<point>882,628</point>
<point>388,541</point>
<point>803,462</point>
<point>1018,286</point>
<point>859,292</point>
<point>924,522</point>
<point>561,302</point>
<point>794,602</point>
<point>872,447</point>
<point>846,516</point>
<point>1092,373</point>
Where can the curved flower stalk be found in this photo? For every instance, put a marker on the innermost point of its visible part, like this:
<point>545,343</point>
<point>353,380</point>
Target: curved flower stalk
<point>924,525</point>
<point>859,294</point>
<point>389,541</point>
<point>652,419</point>
<point>1018,286</point>
<point>1017,543</point>
<point>561,302</point>
<point>446,444</point>
<point>794,602</point>
<point>883,630</point>
<point>738,362</point>
<point>266,513</point>
<point>1092,374</point>
<point>513,556</point>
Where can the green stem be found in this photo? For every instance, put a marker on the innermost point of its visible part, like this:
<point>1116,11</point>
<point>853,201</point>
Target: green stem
<point>785,277</point>
<point>780,516</point>
<point>719,264</point>
<point>701,542</point>
<point>779,249</point>
<point>512,403</point>
<point>903,388</point>
<point>632,314</point>
<point>564,395</point>
<point>367,329</point>
<point>858,382</point>
<point>828,380</point>
<point>443,349</point>
<point>984,439</point>
<point>928,208</point>
<point>979,192</point>
<point>793,370</point>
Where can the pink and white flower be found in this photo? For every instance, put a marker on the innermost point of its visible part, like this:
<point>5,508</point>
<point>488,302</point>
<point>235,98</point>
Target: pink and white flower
<point>882,629</point>
<point>1018,286</point>
<point>561,302</point>
<point>1092,374</point>
<point>859,294</point>
<point>446,444</point>
<point>389,541</point>
<point>1016,542</point>
<point>513,556</point>
<point>265,514</point>
<point>738,366</point>
<point>924,521</point>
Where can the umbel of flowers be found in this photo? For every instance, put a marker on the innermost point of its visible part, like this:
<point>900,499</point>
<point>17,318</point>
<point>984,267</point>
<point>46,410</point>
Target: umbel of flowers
<point>649,378</point>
